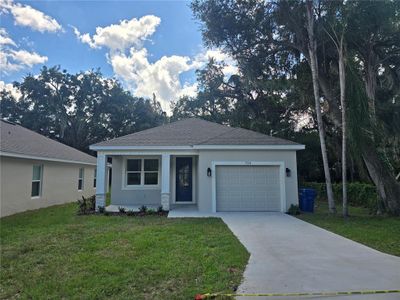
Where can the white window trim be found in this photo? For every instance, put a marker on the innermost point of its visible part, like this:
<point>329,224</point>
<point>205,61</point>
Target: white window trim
<point>83,179</point>
<point>40,182</point>
<point>194,179</point>
<point>282,176</point>
<point>140,186</point>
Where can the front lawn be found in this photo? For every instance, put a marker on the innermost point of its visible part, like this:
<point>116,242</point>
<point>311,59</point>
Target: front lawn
<point>379,232</point>
<point>53,253</point>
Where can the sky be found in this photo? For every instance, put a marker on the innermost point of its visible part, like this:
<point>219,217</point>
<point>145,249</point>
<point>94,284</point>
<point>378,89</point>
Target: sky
<point>150,46</point>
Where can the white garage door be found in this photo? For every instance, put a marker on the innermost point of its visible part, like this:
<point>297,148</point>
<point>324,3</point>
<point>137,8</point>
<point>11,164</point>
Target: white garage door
<point>248,188</point>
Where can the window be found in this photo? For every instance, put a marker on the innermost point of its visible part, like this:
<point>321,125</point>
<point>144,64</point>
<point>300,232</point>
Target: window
<point>80,179</point>
<point>142,172</point>
<point>37,181</point>
<point>94,177</point>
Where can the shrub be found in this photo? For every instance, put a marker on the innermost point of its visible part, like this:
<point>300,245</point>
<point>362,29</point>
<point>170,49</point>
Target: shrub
<point>86,205</point>
<point>121,209</point>
<point>151,211</point>
<point>143,209</point>
<point>293,210</point>
<point>102,209</point>
<point>358,193</point>
<point>130,213</point>
<point>160,209</point>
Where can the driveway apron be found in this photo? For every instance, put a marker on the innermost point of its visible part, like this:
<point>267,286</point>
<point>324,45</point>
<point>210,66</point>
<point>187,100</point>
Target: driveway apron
<point>289,255</point>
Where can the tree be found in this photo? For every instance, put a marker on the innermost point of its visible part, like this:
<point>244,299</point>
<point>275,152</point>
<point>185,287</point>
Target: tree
<point>336,31</point>
<point>375,41</point>
<point>78,109</point>
<point>312,50</point>
<point>270,38</point>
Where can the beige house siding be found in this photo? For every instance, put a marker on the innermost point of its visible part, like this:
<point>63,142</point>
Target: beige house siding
<point>59,184</point>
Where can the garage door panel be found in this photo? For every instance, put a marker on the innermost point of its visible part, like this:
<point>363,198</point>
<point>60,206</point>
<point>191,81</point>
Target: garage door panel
<point>248,188</point>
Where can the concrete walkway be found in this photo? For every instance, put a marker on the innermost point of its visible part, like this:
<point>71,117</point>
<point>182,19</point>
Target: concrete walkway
<point>289,255</point>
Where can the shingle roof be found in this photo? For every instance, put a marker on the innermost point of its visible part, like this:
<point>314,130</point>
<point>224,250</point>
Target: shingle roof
<point>189,132</point>
<point>17,140</point>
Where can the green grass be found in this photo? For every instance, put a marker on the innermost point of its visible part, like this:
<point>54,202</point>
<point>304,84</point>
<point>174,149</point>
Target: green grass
<point>52,253</point>
<point>378,232</point>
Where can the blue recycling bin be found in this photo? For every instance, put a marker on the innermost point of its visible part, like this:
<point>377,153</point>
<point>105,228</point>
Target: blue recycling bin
<point>307,199</point>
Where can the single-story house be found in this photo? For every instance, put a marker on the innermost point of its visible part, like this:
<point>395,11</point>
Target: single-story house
<point>36,171</point>
<point>209,166</point>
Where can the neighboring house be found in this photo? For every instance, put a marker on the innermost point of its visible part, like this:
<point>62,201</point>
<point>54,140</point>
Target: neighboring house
<point>206,165</point>
<point>36,171</point>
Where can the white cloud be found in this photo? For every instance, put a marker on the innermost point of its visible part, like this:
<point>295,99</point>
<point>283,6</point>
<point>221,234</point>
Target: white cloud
<point>230,67</point>
<point>130,60</point>
<point>27,58</point>
<point>25,15</point>
<point>145,78</point>
<point>123,35</point>
<point>13,59</point>
<point>10,88</point>
<point>5,39</point>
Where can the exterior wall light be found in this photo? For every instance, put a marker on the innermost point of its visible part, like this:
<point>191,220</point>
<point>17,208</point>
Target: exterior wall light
<point>288,172</point>
<point>208,172</point>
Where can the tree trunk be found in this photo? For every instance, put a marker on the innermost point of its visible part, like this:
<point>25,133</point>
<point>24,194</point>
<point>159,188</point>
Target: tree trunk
<point>342,81</point>
<point>370,84</point>
<point>387,187</point>
<point>312,49</point>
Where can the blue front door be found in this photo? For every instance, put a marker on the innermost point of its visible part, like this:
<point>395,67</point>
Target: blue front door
<point>183,179</point>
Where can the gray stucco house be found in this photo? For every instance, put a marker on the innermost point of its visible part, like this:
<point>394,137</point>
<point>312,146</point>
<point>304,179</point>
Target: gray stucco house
<point>207,166</point>
<point>37,172</point>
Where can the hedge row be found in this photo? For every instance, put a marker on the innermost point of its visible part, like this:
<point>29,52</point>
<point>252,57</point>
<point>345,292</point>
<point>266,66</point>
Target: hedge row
<point>358,193</point>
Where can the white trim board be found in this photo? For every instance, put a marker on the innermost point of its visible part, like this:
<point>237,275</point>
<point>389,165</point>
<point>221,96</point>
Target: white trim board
<point>198,147</point>
<point>249,147</point>
<point>105,148</point>
<point>144,153</point>
<point>16,155</point>
<point>282,175</point>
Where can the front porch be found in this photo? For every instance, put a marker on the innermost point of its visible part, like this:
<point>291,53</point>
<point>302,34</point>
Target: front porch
<point>150,179</point>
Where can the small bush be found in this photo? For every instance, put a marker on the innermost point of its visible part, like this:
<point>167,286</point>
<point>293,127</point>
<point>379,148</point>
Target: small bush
<point>151,211</point>
<point>130,213</point>
<point>102,209</point>
<point>143,209</point>
<point>121,209</point>
<point>86,205</point>
<point>293,210</point>
<point>160,209</point>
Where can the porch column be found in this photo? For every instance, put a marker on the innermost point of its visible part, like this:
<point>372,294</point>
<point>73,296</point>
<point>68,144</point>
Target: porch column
<point>165,181</point>
<point>101,180</point>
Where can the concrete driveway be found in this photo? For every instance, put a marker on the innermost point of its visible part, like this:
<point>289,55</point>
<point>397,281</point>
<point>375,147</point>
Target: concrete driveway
<point>289,255</point>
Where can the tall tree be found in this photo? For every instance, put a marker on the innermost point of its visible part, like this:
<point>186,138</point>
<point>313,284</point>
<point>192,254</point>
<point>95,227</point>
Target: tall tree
<point>336,31</point>
<point>273,37</point>
<point>312,50</point>
<point>78,109</point>
<point>375,40</point>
